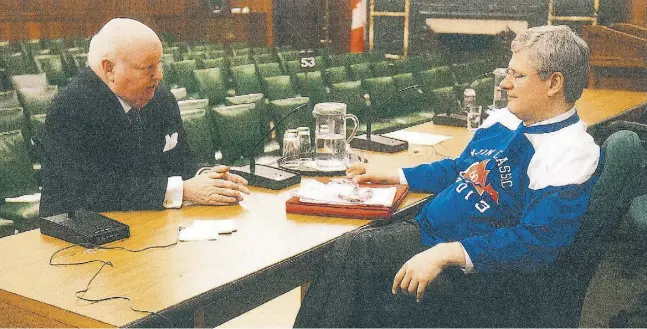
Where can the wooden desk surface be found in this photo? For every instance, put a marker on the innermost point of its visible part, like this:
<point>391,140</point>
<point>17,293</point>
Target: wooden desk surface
<point>33,293</point>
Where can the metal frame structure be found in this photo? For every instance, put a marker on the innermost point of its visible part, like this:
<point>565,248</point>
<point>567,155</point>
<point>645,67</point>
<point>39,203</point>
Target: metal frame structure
<point>405,14</point>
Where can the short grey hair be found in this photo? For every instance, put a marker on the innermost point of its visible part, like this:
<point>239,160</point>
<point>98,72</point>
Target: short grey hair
<point>117,37</point>
<point>557,49</point>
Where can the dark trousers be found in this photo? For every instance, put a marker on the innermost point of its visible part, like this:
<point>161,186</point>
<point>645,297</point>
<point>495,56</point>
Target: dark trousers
<point>353,289</point>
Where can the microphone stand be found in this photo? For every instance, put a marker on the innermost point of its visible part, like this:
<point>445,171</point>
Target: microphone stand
<point>267,176</point>
<point>455,119</point>
<point>379,143</point>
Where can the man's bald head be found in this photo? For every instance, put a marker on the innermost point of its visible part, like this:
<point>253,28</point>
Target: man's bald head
<point>125,55</point>
<point>117,39</point>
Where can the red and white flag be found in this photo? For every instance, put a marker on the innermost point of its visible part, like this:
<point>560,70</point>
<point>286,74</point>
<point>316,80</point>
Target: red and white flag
<point>358,26</point>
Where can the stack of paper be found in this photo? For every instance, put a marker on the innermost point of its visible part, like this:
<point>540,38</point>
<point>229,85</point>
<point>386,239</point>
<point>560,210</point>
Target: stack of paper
<point>333,193</point>
<point>206,230</point>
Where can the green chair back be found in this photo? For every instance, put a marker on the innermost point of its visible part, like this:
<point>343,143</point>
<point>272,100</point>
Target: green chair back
<point>266,70</point>
<point>193,104</point>
<point>292,67</point>
<point>382,68</point>
<point>335,74</point>
<point>183,71</point>
<point>435,78</point>
<point>9,98</point>
<point>180,94</point>
<point>52,66</point>
<point>351,93</point>
<point>237,128</point>
<point>198,128</point>
<point>288,55</point>
<point>216,53</point>
<point>176,52</point>
<point>484,89</point>
<point>17,175</point>
<point>442,100</point>
<point>37,100</point>
<point>385,102</point>
<point>80,61</point>
<point>16,64</point>
<point>212,62</point>
<point>412,99</point>
<point>169,78</point>
<point>195,55</point>
<point>29,81</point>
<point>302,118</point>
<point>361,71</point>
<point>264,58</point>
<point>242,52</point>
<point>240,60</point>
<point>311,84</point>
<point>278,87</point>
<point>246,79</point>
<point>211,84</point>
<point>12,119</point>
<point>259,101</point>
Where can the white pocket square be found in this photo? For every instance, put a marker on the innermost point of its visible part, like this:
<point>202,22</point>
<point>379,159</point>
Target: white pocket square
<point>171,141</point>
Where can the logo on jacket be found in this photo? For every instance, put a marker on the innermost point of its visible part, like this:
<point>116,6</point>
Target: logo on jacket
<point>477,175</point>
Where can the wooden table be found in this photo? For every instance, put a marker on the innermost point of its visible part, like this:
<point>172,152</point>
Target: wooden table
<point>206,283</point>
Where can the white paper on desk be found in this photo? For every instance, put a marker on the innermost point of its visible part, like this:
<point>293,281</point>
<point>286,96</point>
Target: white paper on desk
<point>206,229</point>
<point>418,138</point>
<point>317,192</point>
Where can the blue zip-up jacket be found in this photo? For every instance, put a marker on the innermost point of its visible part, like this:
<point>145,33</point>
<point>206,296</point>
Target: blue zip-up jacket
<point>515,195</point>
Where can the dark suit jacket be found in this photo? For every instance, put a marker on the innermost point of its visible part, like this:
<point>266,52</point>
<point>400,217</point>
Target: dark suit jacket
<point>91,154</point>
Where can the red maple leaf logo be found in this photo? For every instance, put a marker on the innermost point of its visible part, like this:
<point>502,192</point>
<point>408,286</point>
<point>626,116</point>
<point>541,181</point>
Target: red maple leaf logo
<point>477,175</point>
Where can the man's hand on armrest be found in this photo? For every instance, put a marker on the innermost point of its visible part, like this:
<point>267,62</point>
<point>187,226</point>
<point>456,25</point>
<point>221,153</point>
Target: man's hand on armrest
<point>216,186</point>
<point>358,173</point>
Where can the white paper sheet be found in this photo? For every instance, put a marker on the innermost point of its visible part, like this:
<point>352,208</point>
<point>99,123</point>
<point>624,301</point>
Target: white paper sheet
<point>318,192</point>
<point>206,229</point>
<point>418,138</point>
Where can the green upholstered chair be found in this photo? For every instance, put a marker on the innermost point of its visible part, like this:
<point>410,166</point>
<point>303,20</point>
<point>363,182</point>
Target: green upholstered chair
<point>212,62</point>
<point>384,97</point>
<point>484,89</point>
<point>83,43</point>
<point>278,87</point>
<point>311,84</point>
<point>55,46</point>
<point>195,55</point>
<point>211,84</point>
<point>80,61</point>
<point>9,98</point>
<point>382,68</point>
<point>180,94</point>
<point>261,50</point>
<point>199,48</point>
<point>259,101</point>
<point>6,48</point>
<point>280,108</point>
<point>246,80</point>
<point>29,81</point>
<point>12,118</point>
<point>435,78</point>
<point>442,100</point>
<point>193,104</point>
<point>352,94</point>
<point>354,58</point>
<point>400,66</point>
<point>412,99</point>
<point>288,55</point>
<point>37,100</point>
<point>6,227</point>
<point>52,66</point>
<point>335,74</point>
<point>239,60</point>
<point>169,78</point>
<point>360,71</point>
<point>263,58</point>
<point>467,72</point>
<point>16,64</point>
<point>68,60</point>
<point>335,60</point>
<point>183,72</point>
<point>292,67</point>
<point>237,129</point>
<point>266,70</point>
<point>17,178</point>
<point>239,52</point>
<point>175,51</point>
<point>216,53</point>
<point>198,128</point>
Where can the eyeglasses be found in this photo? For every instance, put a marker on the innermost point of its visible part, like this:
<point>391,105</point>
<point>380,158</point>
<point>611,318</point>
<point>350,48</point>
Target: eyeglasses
<point>514,74</point>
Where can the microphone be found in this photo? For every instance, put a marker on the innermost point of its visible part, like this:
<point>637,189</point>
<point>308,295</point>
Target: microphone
<point>456,119</point>
<point>379,143</point>
<point>267,176</point>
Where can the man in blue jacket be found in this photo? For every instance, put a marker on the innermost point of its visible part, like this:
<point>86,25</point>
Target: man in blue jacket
<point>511,201</point>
